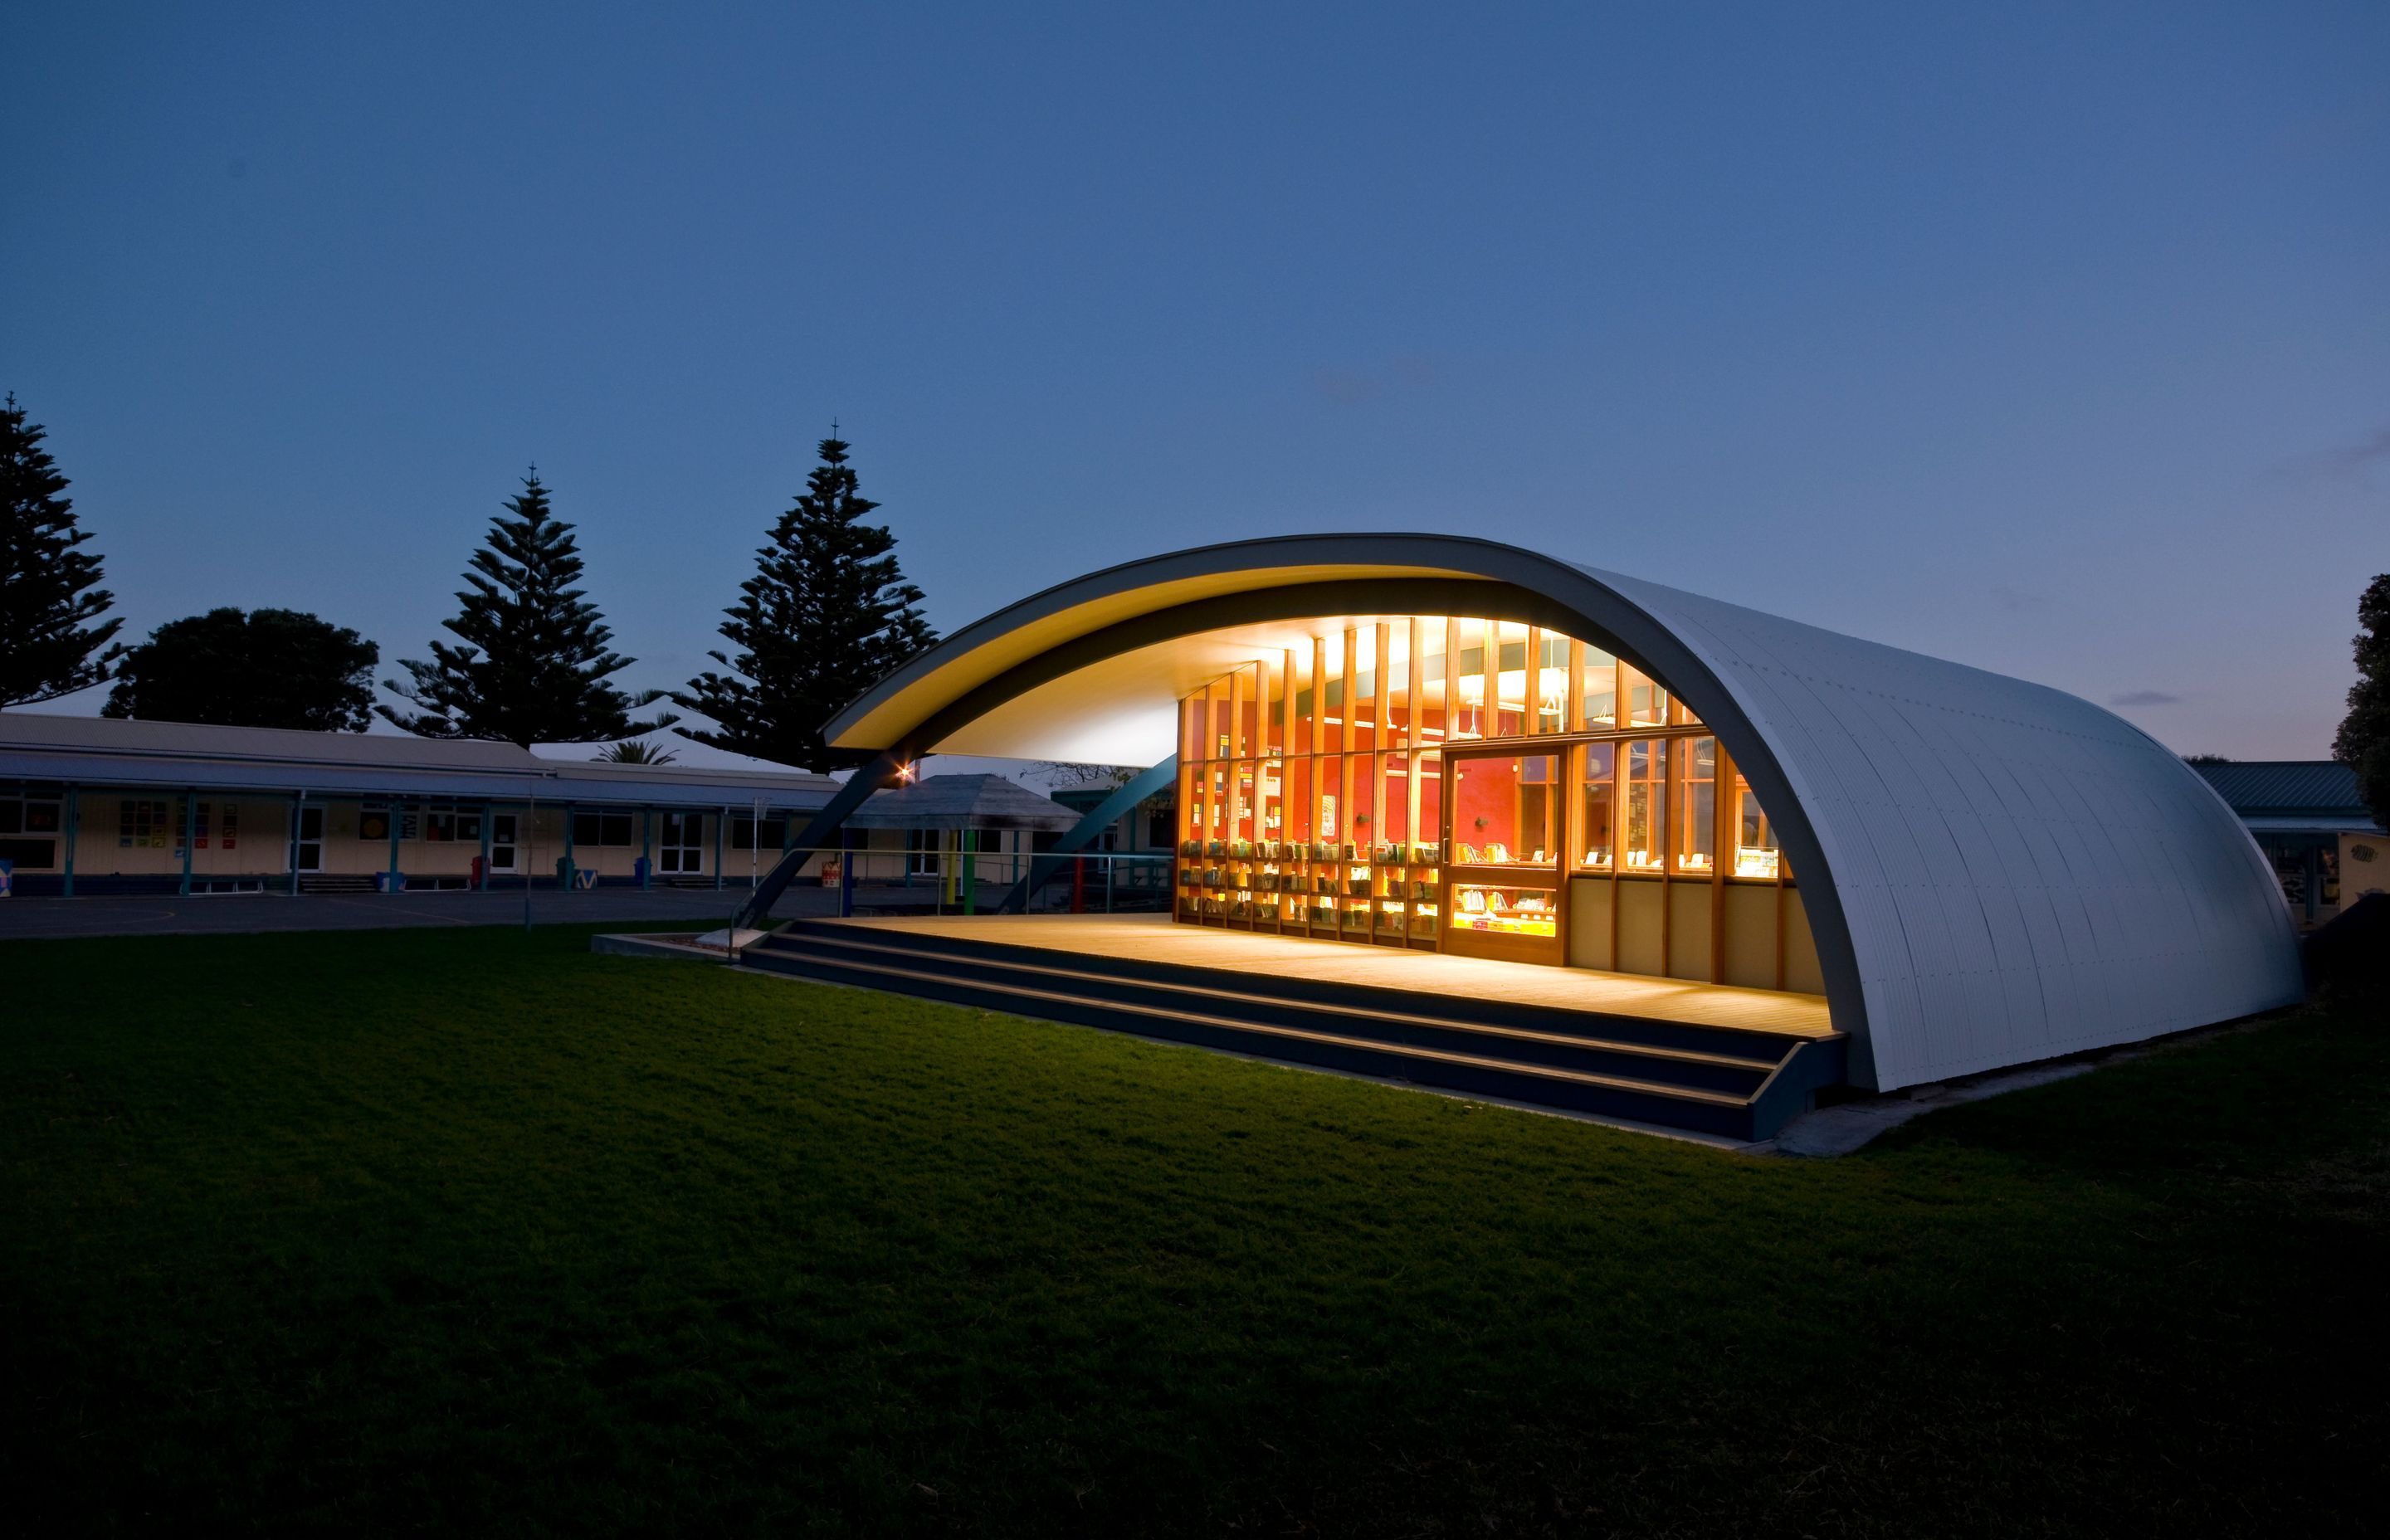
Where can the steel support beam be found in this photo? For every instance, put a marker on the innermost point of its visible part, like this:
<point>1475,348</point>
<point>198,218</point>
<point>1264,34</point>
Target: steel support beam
<point>885,770</point>
<point>1044,865</point>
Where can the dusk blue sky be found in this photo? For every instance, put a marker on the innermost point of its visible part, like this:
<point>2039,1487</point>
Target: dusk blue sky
<point>2054,339</point>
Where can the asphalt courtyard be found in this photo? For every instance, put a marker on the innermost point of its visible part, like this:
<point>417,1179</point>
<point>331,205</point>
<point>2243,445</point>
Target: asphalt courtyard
<point>230,914</point>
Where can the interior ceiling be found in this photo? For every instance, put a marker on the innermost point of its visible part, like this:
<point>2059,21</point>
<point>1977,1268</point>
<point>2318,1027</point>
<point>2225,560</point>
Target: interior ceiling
<point>1124,709</point>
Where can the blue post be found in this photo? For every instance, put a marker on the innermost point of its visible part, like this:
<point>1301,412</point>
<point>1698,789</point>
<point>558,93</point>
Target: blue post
<point>395,816</point>
<point>717,846</point>
<point>487,817</point>
<point>846,874</point>
<point>74,833</point>
<point>647,845</point>
<point>527,847</point>
<point>565,876</point>
<point>971,871</point>
<point>191,832</point>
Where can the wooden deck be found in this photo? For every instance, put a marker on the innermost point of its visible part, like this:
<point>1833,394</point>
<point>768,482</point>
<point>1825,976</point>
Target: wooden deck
<point>1157,938</point>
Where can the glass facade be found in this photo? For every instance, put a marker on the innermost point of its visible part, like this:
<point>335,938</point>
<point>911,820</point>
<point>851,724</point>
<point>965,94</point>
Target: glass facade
<point>1456,783</point>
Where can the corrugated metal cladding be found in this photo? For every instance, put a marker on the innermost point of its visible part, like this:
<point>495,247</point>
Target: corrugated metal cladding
<point>963,802</point>
<point>93,752</point>
<point>2289,786</point>
<point>2009,873</point>
<point>2023,874</point>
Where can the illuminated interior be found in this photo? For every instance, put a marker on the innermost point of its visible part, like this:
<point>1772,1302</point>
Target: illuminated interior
<point>1261,663</point>
<point>1481,787</point>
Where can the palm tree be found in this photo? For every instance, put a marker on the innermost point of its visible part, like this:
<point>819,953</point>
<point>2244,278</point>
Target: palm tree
<point>634,751</point>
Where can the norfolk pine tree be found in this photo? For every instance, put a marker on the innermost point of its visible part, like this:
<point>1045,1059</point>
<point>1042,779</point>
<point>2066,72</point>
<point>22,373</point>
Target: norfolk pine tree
<point>49,588</point>
<point>533,665</point>
<point>827,615</point>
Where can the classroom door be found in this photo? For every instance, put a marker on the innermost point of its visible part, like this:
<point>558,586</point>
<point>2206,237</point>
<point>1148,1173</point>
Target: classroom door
<point>682,846</point>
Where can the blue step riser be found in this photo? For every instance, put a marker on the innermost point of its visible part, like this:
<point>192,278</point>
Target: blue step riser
<point>1641,1030</point>
<point>1813,1067</point>
<point>1583,1057</point>
<point>1732,1123</point>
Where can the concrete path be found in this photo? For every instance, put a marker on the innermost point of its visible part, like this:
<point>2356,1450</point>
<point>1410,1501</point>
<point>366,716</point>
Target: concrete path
<point>234,914</point>
<point>229,914</point>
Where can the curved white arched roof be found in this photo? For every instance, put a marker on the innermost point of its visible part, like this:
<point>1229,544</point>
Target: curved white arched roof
<point>1996,872</point>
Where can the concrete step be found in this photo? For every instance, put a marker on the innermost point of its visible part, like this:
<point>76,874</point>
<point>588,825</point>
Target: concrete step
<point>1720,1082</point>
<point>1729,1067</point>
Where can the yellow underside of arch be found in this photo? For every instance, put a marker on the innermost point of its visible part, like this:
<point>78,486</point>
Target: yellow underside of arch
<point>1118,710</point>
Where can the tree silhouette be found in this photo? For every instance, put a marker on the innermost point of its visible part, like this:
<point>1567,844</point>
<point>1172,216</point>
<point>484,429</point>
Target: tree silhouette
<point>2364,736</point>
<point>633,751</point>
<point>827,615</point>
<point>268,668</point>
<point>533,664</point>
<point>49,587</point>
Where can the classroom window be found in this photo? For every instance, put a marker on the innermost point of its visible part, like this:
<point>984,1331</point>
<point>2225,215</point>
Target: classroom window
<point>374,820</point>
<point>26,825</point>
<point>444,824</point>
<point>1695,800</point>
<point>1601,689</point>
<point>1597,805</point>
<point>1469,710</point>
<point>742,833</point>
<point>25,815</point>
<point>1549,682</point>
<point>601,829</point>
<point>1645,809</point>
<point>1756,853</point>
<point>1505,810</point>
<point>1647,703</point>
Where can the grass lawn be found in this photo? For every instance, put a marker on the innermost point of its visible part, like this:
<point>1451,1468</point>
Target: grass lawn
<point>470,1229</point>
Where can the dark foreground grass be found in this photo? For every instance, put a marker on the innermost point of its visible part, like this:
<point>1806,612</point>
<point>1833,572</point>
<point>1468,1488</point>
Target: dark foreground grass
<point>472,1229</point>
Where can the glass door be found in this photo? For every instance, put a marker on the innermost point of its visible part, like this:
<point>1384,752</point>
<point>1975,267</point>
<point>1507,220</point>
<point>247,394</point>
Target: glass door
<point>1504,826</point>
<point>311,838</point>
<point>682,849</point>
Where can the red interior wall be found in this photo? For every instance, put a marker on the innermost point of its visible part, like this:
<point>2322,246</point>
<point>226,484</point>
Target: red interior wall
<point>1488,790</point>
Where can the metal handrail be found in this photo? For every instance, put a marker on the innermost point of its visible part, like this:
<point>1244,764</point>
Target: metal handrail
<point>946,879</point>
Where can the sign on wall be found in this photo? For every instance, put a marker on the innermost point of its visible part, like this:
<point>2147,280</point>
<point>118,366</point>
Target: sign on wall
<point>2364,866</point>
